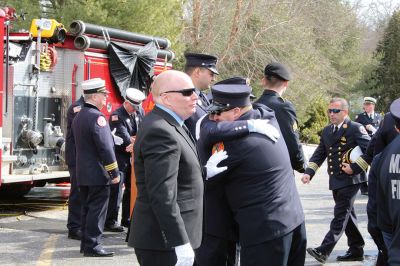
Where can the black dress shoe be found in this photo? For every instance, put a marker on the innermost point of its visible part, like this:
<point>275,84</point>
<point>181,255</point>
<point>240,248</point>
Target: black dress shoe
<point>113,228</point>
<point>77,235</point>
<point>125,223</point>
<point>349,256</point>
<point>98,253</point>
<point>317,255</point>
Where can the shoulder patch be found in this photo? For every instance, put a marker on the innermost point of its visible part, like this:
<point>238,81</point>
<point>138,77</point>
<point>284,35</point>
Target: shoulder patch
<point>114,118</point>
<point>101,121</point>
<point>77,108</point>
<point>362,130</point>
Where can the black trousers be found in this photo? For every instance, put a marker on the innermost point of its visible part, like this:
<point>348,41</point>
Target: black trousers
<point>74,203</point>
<point>114,202</point>
<point>288,250</point>
<point>215,251</point>
<point>126,199</point>
<point>345,220</point>
<point>148,257</point>
<point>94,212</point>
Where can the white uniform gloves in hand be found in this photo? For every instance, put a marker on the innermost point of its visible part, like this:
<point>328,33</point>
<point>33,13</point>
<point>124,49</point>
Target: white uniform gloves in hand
<point>263,127</point>
<point>117,140</point>
<point>185,255</point>
<point>371,128</point>
<point>215,159</point>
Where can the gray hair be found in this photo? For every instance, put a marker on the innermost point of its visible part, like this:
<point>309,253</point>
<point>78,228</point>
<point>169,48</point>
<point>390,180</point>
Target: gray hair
<point>343,102</point>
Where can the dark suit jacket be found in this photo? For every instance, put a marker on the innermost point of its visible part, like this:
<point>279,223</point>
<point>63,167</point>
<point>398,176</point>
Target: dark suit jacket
<point>126,126</point>
<point>259,186</point>
<point>333,146</point>
<point>385,134</point>
<point>169,205</point>
<point>286,115</point>
<point>69,142</point>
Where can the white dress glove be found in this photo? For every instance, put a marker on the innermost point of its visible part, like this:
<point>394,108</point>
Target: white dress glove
<point>212,163</point>
<point>371,128</point>
<point>263,127</point>
<point>117,140</point>
<point>185,255</point>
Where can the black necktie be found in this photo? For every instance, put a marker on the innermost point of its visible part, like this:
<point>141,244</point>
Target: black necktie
<point>188,133</point>
<point>335,129</point>
<point>204,99</point>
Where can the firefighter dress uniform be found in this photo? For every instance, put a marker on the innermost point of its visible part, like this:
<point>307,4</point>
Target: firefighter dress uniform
<point>285,113</point>
<point>333,146</point>
<point>96,165</point>
<point>205,61</point>
<point>125,126</point>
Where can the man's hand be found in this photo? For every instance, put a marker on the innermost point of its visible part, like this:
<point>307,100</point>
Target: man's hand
<point>133,139</point>
<point>185,255</point>
<point>117,140</point>
<point>263,127</point>
<point>347,169</point>
<point>212,163</point>
<point>306,179</point>
<point>115,180</point>
<point>371,128</point>
<point>129,148</point>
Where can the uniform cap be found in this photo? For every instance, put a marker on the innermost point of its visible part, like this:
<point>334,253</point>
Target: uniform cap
<point>95,85</point>
<point>369,100</point>
<point>395,111</point>
<point>134,96</point>
<point>202,60</point>
<point>230,93</point>
<point>278,70</point>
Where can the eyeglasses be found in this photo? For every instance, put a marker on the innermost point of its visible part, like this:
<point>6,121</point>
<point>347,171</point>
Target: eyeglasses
<point>335,111</point>
<point>184,92</point>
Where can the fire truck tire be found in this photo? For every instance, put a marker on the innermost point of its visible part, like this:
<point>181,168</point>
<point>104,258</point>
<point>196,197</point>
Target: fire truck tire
<point>14,190</point>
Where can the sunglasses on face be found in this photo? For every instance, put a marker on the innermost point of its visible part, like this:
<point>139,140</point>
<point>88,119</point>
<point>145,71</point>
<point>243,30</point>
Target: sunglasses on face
<point>219,112</point>
<point>184,92</point>
<point>335,111</point>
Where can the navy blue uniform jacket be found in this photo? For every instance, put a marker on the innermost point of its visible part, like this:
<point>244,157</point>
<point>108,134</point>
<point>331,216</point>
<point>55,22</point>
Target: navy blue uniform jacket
<point>286,115</point>
<point>364,120</point>
<point>259,185</point>
<point>388,197</point>
<point>201,110</point>
<point>126,126</point>
<point>333,146</point>
<point>96,164</point>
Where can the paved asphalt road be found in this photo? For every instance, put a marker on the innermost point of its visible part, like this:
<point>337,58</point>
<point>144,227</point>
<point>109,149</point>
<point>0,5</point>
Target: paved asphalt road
<point>40,238</point>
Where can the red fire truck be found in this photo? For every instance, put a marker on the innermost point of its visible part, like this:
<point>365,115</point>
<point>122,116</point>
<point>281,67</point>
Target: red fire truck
<point>41,73</point>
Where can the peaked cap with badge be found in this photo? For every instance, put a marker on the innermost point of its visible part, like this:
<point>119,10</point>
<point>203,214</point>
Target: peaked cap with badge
<point>395,112</point>
<point>369,100</point>
<point>230,93</point>
<point>134,97</point>
<point>95,85</point>
<point>202,60</point>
